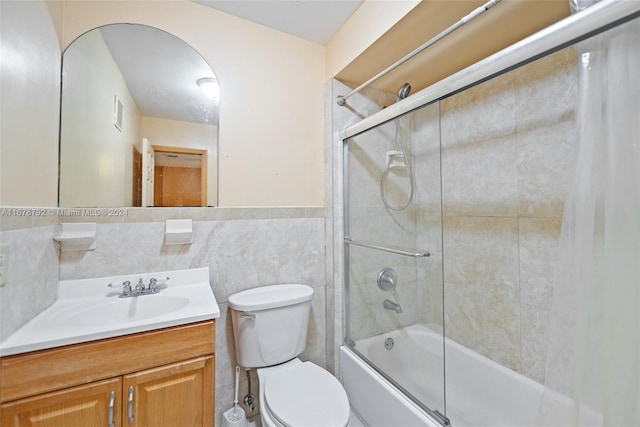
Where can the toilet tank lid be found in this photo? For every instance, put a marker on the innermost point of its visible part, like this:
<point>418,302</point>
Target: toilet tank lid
<point>271,296</point>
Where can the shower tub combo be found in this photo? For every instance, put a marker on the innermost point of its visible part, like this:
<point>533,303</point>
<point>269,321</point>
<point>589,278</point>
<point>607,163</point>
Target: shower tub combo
<point>443,338</point>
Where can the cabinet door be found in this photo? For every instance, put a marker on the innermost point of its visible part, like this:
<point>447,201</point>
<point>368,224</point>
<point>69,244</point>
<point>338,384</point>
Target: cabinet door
<point>96,404</point>
<point>175,395</point>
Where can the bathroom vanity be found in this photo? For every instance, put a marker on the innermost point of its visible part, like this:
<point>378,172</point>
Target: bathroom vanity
<point>138,379</point>
<point>149,376</point>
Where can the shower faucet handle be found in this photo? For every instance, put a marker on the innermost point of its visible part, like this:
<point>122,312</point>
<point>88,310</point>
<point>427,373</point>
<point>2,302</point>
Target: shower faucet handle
<point>387,279</point>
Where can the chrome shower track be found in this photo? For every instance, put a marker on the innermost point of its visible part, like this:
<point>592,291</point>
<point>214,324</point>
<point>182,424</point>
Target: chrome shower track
<point>341,99</point>
<point>575,28</point>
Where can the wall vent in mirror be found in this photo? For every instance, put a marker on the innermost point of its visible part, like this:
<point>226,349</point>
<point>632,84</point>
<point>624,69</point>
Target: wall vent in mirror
<point>117,112</point>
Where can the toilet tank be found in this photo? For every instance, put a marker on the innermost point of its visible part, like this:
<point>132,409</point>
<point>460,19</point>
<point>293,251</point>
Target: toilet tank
<point>270,323</point>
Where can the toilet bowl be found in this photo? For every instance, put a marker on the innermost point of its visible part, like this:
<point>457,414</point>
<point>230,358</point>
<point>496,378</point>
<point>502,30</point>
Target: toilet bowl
<point>270,331</point>
<point>301,394</point>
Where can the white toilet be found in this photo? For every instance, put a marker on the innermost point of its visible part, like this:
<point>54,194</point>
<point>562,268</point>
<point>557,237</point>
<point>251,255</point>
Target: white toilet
<point>270,331</point>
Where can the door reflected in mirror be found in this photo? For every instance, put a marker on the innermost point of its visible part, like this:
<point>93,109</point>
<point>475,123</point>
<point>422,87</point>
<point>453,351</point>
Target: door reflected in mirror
<point>136,127</point>
<point>179,177</point>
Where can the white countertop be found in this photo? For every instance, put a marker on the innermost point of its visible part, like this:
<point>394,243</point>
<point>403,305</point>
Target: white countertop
<point>87,310</point>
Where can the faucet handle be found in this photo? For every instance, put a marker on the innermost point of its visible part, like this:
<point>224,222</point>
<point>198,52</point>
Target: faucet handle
<point>156,283</point>
<point>126,286</point>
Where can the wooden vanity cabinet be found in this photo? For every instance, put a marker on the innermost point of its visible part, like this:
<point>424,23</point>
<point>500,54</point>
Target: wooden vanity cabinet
<point>174,395</point>
<point>171,384</point>
<point>88,405</point>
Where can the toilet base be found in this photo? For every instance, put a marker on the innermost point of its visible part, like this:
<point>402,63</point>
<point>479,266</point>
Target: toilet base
<point>268,419</point>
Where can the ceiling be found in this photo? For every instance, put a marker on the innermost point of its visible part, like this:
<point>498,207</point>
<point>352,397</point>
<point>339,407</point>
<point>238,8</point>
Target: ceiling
<point>313,20</point>
<point>162,79</point>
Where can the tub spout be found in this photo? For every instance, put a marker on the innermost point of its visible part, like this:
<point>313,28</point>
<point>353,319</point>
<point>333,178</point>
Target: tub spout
<point>390,305</point>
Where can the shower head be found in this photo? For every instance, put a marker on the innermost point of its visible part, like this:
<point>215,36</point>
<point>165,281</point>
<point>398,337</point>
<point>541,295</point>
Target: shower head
<point>403,92</point>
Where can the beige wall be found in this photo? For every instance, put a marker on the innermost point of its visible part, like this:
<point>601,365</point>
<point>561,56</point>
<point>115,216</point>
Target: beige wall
<point>30,79</point>
<point>56,12</point>
<point>271,106</point>
<point>271,116</point>
<point>370,21</point>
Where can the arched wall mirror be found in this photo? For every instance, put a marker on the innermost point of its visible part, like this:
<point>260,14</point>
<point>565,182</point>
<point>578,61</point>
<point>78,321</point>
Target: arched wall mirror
<point>139,121</point>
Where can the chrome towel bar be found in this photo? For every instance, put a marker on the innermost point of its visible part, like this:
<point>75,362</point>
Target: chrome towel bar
<point>415,254</point>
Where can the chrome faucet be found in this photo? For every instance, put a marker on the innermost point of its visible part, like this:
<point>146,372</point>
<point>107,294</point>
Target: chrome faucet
<point>390,305</point>
<point>140,289</point>
<point>139,286</point>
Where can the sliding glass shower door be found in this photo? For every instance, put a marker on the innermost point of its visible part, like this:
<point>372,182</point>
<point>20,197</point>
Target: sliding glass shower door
<point>393,250</point>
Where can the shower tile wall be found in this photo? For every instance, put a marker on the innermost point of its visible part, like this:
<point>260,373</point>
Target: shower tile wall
<point>419,227</point>
<point>419,288</point>
<point>507,152</point>
<point>369,317</point>
<point>425,142</point>
<point>371,222</point>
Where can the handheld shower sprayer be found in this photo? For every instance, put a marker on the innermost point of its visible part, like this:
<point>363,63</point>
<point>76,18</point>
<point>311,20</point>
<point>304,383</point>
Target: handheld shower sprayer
<point>397,158</point>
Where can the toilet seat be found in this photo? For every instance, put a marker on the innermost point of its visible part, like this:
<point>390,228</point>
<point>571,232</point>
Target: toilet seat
<point>306,395</point>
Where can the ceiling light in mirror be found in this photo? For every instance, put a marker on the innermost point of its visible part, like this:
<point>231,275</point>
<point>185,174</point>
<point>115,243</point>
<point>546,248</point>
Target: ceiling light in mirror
<point>209,87</point>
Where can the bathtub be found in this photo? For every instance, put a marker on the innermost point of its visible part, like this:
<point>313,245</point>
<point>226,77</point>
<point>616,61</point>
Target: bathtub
<point>479,391</point>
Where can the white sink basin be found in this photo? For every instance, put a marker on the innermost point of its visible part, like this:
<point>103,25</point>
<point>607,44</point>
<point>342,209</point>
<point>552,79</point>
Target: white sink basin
<point>123,310</point>
<point>88,310</point>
